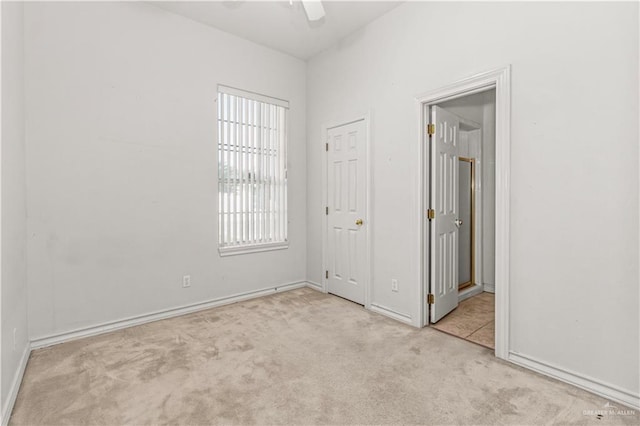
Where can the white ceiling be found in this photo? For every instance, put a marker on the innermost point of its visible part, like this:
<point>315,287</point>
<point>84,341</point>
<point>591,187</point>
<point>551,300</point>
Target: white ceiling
<point>281,25</point>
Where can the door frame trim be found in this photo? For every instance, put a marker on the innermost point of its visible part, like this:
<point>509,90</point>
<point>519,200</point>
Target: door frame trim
<point>500,80</point>
<point>366,117</point>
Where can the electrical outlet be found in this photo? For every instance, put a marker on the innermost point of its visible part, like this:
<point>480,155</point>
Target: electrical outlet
<point>394,284</point>
<point>186,281</point>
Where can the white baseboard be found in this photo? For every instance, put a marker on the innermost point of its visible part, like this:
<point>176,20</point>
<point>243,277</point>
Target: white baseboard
<point>604,390</point>
<point>315,286</point>
<point>391,314</point>
<point>55,339</point>
<point>379,309</point>
<point>15,386</point>
<point>469,292</point>
<point>489,287</point>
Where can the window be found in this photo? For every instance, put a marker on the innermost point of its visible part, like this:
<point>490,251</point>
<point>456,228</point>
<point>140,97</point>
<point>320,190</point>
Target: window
<point>252,171</point>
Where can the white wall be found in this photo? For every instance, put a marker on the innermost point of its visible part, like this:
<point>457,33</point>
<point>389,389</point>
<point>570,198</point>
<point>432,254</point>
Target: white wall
<point>489,190</point>
<point>574,162</point>
<point>14,223</point>
<point>481,108</point>
<point>470,107</point>
<point>121,168</point>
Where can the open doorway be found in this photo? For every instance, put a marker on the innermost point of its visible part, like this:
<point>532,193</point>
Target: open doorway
<point>465,234</point>
<point>465,189</point>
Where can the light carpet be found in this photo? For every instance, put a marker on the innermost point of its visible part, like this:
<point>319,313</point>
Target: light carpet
<point>299,357</point>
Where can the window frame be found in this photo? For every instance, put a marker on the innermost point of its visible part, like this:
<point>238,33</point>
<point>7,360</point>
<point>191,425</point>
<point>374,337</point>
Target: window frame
<point>277,205</point>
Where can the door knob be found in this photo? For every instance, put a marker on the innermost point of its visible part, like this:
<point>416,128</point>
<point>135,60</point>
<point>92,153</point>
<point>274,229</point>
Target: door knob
<point>359,222</point>
<point>458,222</point>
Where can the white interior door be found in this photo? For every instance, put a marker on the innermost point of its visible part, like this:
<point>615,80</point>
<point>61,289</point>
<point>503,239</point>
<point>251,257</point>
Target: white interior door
<point>444,201</point>
<point>346,195</point>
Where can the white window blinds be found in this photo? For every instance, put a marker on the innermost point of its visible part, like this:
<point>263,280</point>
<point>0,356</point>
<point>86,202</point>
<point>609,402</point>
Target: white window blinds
<point>252,171</point>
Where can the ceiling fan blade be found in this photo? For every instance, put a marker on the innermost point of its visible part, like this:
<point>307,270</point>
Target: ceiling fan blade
<point>313,9</point>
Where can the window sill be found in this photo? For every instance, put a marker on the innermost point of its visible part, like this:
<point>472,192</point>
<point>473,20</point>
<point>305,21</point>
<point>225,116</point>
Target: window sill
<point>255,248</point>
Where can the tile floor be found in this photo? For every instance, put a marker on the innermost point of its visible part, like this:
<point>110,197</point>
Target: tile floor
<point>472,320</point>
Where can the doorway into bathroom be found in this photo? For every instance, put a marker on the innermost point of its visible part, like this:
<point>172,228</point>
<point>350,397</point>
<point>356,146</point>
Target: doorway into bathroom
<point>462,182</point>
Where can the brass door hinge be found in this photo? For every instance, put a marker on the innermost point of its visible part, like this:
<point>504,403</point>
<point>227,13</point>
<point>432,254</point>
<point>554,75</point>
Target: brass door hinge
<point>431,129</point>
<point>430,298</point>
<point>326,274</point>
<point>431,214</point>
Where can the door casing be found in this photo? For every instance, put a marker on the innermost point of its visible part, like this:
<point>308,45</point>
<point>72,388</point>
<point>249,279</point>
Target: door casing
<point>500,80</point>
<point>367,215</point>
